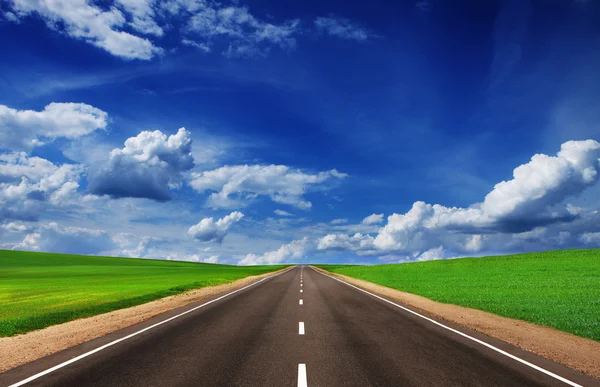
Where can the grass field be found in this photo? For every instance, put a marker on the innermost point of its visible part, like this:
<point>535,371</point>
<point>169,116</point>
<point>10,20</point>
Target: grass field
<point>560,289</point>
<point>40,289</point>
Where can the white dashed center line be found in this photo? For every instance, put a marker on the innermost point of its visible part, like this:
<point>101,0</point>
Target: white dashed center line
<point>300,290</point>
<point>301,302</point>
<point>300,328</point>
<point>302,375</point>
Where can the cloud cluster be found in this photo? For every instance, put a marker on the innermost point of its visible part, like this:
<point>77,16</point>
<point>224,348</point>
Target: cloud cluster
<point>31,185</point>
<point>342,28</point>
<point>146,167</point>
<point>56,238</point>
<point>358,242</point>
<point>286,253</point>
<point>25,129</point>
<point>525,213</point>
<point>373,219</point>
<point>209,230</point>
<point>542,183</point>
<point>235,185</point>
<point>83,20</point>
<point>143,16</point>
<point>120,27</point>
<point>247,35</point>
<point>533,198</point>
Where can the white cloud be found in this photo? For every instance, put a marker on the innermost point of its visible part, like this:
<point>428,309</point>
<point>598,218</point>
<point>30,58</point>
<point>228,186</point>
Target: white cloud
<point>15,227</point>
<point>142,12</point>
<point>56,238</point>
<point>591,238</point>
<point>286,253</point>
<point>24,129</point>
<point>532,198</point>
<point>373,219</point>
<point>339,221</point>
<point>247,35</point>
<point>545,181</point>
<point>526,213</point>
<point>81,19</point>
<point>246,182</point>
<point>14,166</point>
<point>433,254</point>
<point>356,243</point>
<point>282,213</point>
<point>31,185</point>
<point>201,46</point>
<point>343,28</point>
<point>146,167</point>
<point>11,17</point>
<point>211,259</point>
<point>207,230</point>
<point>120,27</point>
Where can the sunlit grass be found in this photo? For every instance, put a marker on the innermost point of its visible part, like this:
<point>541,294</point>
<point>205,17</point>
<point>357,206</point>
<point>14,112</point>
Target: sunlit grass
<point>42,289</point>
<point>560,289</point>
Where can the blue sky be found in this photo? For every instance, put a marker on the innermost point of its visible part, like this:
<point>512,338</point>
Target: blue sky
<point>313,131</point>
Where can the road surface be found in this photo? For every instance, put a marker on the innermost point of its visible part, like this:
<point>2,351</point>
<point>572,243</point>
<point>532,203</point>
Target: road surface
<point>298,328</point>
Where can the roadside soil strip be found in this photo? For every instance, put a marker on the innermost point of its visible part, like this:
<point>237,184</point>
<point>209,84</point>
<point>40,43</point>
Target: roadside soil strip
<point>575,352</point>
<point>25,348</point>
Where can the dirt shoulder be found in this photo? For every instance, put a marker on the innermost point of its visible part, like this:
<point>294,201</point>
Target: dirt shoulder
<point>22,349</point>
<point>575,352</point>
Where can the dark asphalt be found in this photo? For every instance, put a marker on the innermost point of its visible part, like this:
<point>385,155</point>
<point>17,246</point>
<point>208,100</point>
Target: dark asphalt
<point>251,338</point>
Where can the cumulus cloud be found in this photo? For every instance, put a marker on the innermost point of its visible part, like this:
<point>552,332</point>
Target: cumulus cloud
<point>235,185</point>
<point>81,19</point>
<point>282,213</point>
<point>146,167</point>
<point>542,183</point>
<point>433,254</point>
<point>342,28</point>
<point>532,198</point>
<point>24,129</point>
<point>287,252</point>
<point>16,165</point>
<point>56,238</point>
<point>526,213</point>
<point>356,243</point>
<point>31,185</point>
<point>373,219</point>
<point>209,230</point>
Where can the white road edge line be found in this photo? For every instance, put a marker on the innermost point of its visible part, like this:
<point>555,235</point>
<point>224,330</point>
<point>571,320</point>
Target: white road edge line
<point>301,302</point>
<point>300,328</point>
<point>93,351</point>
<point>302,375</point>
<point>525,362</point>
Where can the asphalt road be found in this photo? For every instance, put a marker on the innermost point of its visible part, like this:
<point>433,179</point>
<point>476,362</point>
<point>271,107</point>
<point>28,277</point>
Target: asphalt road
<point>299,328</point>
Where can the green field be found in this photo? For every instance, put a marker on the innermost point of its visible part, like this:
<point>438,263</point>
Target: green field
<point>560,289</point>
<point>41,289</point>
